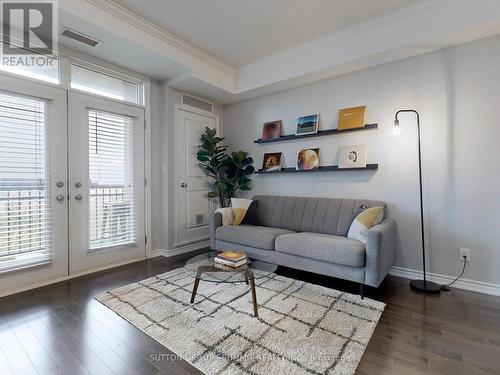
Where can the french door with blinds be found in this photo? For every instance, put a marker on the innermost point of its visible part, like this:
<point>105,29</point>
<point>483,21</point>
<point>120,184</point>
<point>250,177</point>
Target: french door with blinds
<point>106,182</point>
<point>71,183</point>
<point>33,174</point>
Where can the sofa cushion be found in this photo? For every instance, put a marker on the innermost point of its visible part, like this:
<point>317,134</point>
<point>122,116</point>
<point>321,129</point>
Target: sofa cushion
<point>325,247</point>
<point>318,215</point>
<point>250,235</point>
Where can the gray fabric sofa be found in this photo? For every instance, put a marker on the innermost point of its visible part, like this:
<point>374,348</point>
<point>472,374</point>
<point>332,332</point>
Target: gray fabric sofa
<point>310,234</point>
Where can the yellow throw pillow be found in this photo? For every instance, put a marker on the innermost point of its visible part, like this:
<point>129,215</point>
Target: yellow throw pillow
<point>364,221</point>
<point>240,207</point>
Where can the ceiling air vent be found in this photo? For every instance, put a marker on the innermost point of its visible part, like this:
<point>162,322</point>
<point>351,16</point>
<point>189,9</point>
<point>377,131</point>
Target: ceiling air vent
<point>197,103</point>
<point>79,37</point>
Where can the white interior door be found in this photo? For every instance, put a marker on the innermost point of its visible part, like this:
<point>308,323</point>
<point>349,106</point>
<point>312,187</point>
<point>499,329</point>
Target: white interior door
<point>193,208</point>
<point>106,178</point>
<point>33,204</point>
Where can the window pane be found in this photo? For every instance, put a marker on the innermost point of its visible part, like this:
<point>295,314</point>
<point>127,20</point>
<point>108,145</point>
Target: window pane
<point>25,224</point>
<point>112,190</point>
<point>42,73</point>
<point>105,85</point>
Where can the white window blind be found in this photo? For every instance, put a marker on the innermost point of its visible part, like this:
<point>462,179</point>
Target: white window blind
<point>112,206</point>
<point>25,212</point>
<point>104,85</point>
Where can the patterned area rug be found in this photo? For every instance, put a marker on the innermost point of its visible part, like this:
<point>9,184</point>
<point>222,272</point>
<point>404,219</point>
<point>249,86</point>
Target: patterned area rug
<point>301,329</point>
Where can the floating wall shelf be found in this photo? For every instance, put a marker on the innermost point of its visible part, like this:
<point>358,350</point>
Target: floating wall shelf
<point>320,133</point>
<point>328,168</point>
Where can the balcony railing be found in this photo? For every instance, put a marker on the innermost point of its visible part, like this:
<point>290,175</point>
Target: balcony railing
<point>24,217</point>
<point>110,216</point>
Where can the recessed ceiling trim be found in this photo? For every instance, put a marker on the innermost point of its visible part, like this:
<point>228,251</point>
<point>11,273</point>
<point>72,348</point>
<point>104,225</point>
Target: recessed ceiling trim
<point>419,28</point>
<point>160,33</point>
<point>392,17</point>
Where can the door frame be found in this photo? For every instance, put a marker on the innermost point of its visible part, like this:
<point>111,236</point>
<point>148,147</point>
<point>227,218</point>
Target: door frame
<point>200,112</point>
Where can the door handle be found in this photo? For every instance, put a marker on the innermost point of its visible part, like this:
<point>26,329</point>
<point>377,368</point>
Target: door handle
<point>78,197</point>
<point>59,197</point>
<point>184,185</point>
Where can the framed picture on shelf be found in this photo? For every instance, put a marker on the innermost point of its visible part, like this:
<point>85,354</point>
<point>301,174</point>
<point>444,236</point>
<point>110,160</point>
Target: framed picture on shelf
<point>307,124</point>
<point>308,159</point>
<point>272,161</point>
<point>272,130</point>
<point>352,118</point>
<point>353,156</point>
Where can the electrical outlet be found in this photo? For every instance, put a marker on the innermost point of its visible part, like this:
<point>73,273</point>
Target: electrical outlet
<point>464,253</point>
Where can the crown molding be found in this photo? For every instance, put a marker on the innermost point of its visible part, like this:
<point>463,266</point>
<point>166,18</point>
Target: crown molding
<point>137,21</point>
<point>393,17</point>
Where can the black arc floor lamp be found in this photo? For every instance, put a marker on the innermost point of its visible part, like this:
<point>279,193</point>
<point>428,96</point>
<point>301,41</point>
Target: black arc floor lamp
<point>424,285</point>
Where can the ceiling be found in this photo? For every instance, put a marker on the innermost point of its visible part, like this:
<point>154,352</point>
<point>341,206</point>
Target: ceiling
<point>240,32</point>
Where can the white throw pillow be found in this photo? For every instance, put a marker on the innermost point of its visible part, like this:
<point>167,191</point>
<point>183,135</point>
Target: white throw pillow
<point>364,221</point>
<point>227,215</point>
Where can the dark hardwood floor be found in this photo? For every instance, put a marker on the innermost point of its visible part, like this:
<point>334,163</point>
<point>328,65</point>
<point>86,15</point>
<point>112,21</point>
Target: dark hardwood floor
<point>61,329</point>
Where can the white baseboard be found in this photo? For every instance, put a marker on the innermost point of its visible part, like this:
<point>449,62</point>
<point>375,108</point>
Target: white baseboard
<point>66,278</point>
<point>154,253</point>
<point>158,252</point>
<point>180,250</point>
<point>466,284</point>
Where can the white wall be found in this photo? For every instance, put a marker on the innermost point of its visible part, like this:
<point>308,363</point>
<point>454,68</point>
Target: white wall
<point>457,92</point>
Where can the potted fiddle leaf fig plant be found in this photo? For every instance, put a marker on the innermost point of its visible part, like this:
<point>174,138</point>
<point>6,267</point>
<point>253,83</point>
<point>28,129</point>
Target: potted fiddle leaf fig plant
<point>238,169</point>
<point>227,173</point>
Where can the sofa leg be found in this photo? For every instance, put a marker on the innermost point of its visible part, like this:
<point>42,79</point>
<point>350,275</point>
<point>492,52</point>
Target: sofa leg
<point>361,290</point>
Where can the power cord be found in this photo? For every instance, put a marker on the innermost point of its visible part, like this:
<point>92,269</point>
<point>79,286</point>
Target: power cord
<point>445,287</point>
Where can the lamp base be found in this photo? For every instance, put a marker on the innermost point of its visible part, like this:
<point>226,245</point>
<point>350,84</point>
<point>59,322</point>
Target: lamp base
<point>425,286</point>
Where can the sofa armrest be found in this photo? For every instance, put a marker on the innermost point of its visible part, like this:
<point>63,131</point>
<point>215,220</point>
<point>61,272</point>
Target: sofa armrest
<point>380,251</point>
<point>215,222</point>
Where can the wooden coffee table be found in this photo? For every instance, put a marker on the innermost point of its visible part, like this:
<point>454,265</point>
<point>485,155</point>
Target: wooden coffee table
<point>203,267</point>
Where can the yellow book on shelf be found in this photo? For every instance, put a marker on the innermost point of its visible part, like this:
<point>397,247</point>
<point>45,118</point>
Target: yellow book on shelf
<point>352,118</point>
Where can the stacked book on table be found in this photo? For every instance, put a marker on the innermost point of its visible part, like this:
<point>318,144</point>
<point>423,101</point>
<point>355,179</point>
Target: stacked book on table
<point>231,259</point>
